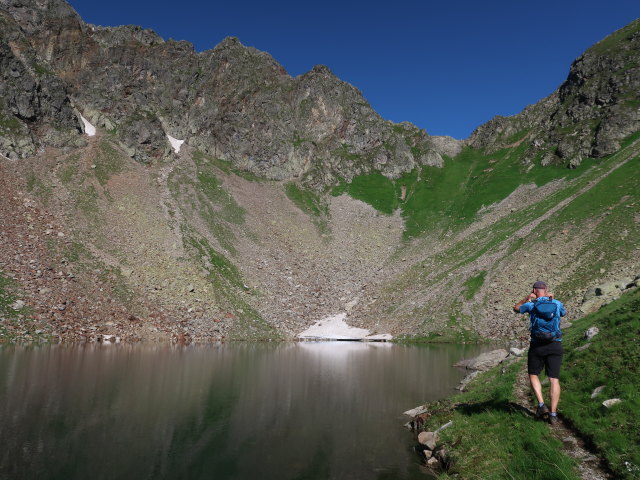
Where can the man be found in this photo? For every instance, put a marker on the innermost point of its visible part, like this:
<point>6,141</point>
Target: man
<point>545,349</point>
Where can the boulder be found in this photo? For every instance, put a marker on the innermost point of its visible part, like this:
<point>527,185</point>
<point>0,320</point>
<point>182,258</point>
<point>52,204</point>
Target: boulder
<point>592,305</point>
<point>484,361</point>
<point>416,411</point>
<point>597,391</point>
<point>518,352</point>
<point>428,439</point>
<point>607,289</point>
<point>591,332</point>
<point>611,402</point>
<point>433,462</point>
<point>466,380</point>
<point>18,305</point>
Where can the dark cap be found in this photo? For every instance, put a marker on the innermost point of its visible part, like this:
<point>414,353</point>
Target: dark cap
<point>540,285</point>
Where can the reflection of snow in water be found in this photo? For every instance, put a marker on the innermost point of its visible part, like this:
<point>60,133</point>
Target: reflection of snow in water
<point>89,129</point>
<point>335,328</point>
<point>333,347</point>
<point>175,143</point>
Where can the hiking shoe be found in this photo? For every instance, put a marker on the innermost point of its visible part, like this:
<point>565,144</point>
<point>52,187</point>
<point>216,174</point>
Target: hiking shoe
<point>553,419</point>
<point>542,411</point>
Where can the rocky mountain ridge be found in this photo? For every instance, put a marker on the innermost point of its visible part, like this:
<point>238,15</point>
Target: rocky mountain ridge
<point>233,102</point>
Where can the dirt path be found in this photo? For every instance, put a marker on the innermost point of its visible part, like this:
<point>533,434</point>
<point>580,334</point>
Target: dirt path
<point>590,467</point>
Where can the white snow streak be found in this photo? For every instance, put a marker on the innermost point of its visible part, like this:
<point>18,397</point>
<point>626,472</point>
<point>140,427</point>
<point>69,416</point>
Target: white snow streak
<point>89,129</point>
<point>335,328</point>
<point>175,143</point>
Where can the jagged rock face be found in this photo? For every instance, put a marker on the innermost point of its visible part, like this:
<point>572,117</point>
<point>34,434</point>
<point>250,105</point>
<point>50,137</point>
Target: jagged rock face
<point>588,116</point>
<point>34,106</point>
<point>234,102</point>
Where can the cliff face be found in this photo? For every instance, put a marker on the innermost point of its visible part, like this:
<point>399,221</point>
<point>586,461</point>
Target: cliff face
<point>588,116</point>
<point>34,106</point>
<point>233,102</point>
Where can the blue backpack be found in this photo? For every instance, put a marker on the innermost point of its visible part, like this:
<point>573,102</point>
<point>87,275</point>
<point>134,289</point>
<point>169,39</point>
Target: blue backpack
<point>545,321</point>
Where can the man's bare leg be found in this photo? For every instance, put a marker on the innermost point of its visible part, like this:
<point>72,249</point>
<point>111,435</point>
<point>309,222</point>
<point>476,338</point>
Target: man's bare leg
<point>554,392</point>
<point>537,387</point>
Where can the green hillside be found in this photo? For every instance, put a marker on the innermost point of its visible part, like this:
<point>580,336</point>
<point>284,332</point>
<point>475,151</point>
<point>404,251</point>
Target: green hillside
<point>494,437</point>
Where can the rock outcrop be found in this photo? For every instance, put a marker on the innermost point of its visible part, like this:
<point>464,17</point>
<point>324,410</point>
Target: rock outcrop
<point>588,116</point>
<point>484,361</point>
<point>34,106</point>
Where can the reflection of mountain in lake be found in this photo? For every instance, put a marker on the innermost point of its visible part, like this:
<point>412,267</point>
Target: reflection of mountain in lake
<point>317,410</point>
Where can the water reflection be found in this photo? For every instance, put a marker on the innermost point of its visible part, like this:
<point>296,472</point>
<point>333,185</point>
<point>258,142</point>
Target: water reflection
<point>296,410</point>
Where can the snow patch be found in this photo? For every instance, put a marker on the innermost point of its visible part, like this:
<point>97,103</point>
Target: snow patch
<point>89,129</point>
<point>335,328</point>
<point>175,143</point>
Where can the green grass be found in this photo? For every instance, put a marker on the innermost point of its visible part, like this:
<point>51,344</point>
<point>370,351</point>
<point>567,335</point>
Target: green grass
<point>9,316</point>
<point>108,162</point>
<point>440,199</point>
<point>602,209</point>
<point>9,123</point>
<point>473,284</point>
<point>298,141</point>
<point>613,41</point>
<point>310,203</point>
<point>516,137</point>
<point>493,437</point>
<point>86,201</point>
<point>41,189</point>
<point>203,160</point>
<point>206,197</point>
<point>344,153</point>
<point>607,207</point>
<point>42,70</point>
<point>7,297</point>
<point>374,189</point>
<point>69,169</point>
<point>229,289</point>
<point>612,361</point>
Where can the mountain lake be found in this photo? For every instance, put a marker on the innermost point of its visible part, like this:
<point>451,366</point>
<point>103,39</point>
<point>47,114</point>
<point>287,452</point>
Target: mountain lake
<point>299,410</point>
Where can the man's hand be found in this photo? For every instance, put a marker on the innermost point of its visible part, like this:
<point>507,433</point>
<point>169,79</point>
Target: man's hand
<point>529,298</point>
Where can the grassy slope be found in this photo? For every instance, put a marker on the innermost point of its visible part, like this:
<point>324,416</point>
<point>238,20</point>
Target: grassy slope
<point>443,202</point>
<point>201,194</point>
<point>491,437</point>
<point>613,361</point>
<point>451,197</point>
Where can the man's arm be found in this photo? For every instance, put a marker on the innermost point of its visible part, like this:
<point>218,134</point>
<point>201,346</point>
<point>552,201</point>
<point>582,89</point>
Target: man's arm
<point>529,298</point>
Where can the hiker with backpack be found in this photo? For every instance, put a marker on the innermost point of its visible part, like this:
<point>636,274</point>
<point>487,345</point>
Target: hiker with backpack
<point>545,349</point>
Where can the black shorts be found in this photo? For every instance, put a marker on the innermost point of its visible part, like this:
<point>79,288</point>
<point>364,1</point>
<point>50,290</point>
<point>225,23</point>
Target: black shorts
<point>547,355</point>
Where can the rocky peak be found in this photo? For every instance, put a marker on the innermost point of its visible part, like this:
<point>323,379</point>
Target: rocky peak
<point>321,70</point>
<point>592,111</point>
<point>34,15</point>
<point>109,37</point>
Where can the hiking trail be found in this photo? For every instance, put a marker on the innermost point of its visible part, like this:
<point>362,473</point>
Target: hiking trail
<point>588,464</point>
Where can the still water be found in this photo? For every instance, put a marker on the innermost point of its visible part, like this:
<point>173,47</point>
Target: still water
<point>326,410</point>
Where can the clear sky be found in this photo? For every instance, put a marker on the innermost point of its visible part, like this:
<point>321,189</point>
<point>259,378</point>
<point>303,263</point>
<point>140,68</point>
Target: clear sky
<point>446,66</point>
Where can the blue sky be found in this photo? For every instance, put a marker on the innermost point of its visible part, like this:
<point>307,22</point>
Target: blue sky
<point>447,67</point>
